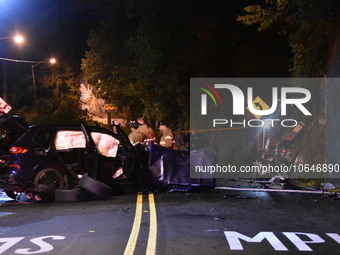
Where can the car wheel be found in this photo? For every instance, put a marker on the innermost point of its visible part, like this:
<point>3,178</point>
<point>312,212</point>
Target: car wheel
<point>98,189</point>
<point>71,195</point>
<point>50,177</point>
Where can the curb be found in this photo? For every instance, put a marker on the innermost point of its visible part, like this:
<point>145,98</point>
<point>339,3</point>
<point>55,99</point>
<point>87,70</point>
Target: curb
<point>275,190</point>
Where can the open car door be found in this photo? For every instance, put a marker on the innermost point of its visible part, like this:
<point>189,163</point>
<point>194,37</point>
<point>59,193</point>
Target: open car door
<point>91,157</point>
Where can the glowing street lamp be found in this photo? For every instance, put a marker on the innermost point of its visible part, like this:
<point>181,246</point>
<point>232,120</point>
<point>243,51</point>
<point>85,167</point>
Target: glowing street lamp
<point>17,39</point>
<point>33,64</point>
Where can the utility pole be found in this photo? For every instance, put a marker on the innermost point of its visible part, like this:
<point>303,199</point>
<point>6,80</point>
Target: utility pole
<point>4,81</point>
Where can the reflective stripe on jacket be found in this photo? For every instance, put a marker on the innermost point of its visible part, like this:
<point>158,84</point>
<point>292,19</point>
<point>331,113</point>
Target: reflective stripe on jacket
<point>167,138</point>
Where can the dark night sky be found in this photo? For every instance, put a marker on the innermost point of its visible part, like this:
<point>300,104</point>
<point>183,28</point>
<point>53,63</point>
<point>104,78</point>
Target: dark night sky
<point>60,28</point>
<point>51,27</point>
<point>214,44</point>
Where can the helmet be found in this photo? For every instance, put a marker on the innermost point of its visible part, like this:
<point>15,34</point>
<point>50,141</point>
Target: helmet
<point>160,123</point>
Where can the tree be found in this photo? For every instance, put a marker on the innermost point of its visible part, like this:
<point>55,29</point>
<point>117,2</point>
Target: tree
<point>58,99</point>
<point>142,57</point>
<point>308,24</point>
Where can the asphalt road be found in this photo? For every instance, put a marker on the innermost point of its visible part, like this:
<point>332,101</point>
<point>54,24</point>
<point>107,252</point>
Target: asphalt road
<point>214,222</point>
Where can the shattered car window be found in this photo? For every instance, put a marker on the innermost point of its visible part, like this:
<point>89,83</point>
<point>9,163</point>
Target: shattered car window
<point>43,137</point>
<point>106,144</point>
<point>68,139</point>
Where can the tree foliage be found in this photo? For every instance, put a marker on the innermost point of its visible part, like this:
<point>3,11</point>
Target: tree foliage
<point>58,99</point>
<point>308,24</point>
<point>52,29</point>
<point>142,57</point>
<point>134,61</point>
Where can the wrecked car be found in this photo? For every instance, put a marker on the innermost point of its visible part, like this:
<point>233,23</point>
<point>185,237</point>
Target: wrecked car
<point>71,161</point>
<point>40,156</point>
<point>281,149</point>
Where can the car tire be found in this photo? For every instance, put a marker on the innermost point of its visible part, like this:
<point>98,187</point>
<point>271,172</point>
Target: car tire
<point>46,181</point>
<point>97,189</point>
<point>50,177</point>
<point>71,195</point>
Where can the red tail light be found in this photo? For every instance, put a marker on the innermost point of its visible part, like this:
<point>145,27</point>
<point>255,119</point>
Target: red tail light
<point>18,150</point>
<point>13,166</point>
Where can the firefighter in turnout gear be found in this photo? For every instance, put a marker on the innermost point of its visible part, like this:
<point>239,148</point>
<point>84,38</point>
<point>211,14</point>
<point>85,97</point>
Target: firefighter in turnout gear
<point>135,136</point>
<point>146,131</point>
<point>167,138</point>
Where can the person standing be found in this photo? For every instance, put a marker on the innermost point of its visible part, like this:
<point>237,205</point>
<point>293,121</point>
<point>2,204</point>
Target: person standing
<point>135,136</point>
<point>146,130</point>
<point>167,138</point>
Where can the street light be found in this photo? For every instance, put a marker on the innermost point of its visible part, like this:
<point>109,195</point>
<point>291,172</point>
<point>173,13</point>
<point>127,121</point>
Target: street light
<point>51,61</point>
<point>33,64</point>
<point>17,39</point>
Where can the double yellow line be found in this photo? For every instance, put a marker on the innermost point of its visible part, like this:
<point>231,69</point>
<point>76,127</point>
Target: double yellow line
<point>152,239</point>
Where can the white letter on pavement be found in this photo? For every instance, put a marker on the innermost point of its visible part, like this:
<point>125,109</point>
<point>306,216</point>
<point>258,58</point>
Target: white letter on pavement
<point>334,236</point>
<point>234,237</point>
<point>299,243</point>
<point>44,247</point>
